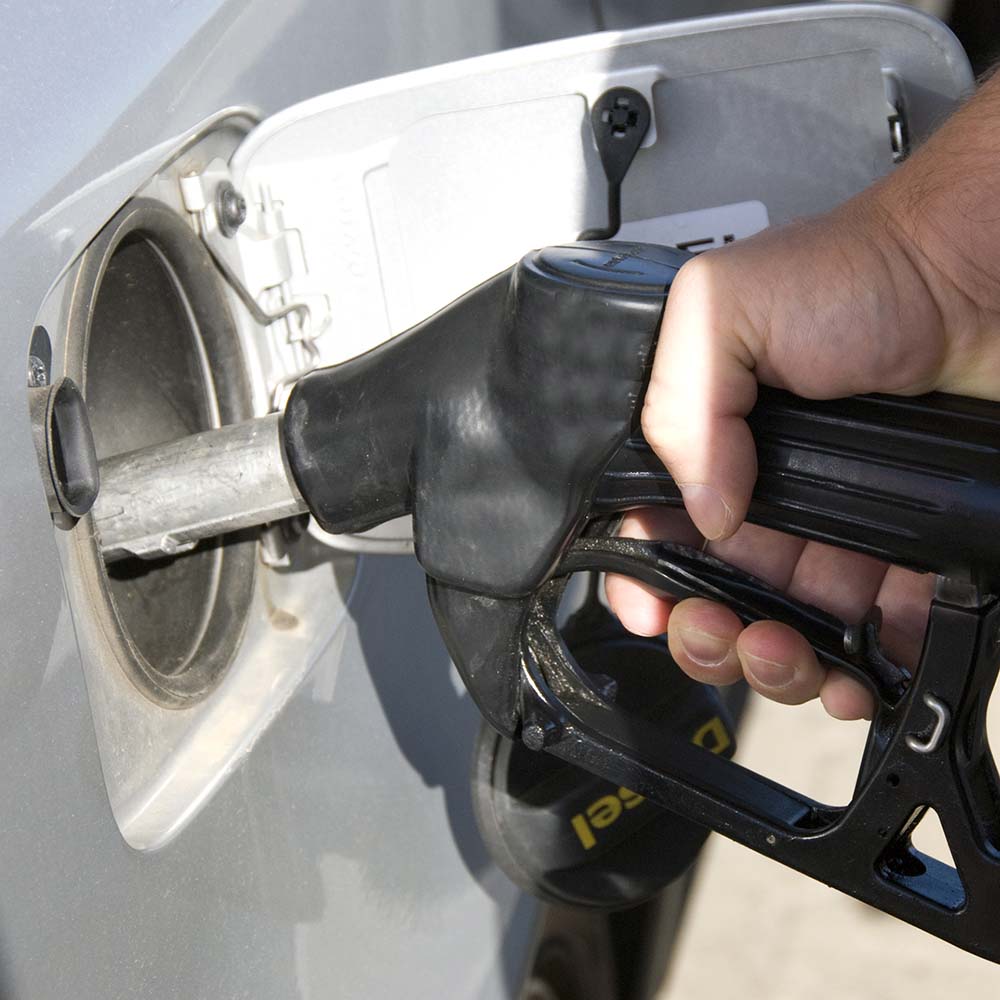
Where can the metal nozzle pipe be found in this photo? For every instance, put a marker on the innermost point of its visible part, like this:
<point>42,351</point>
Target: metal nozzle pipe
<point>162,500</point>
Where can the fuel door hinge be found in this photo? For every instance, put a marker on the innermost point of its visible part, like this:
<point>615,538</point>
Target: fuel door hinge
<point>263,262</point>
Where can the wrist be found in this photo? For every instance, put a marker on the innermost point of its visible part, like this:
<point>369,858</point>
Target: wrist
<point>937,220</point>
<point>944,202</point>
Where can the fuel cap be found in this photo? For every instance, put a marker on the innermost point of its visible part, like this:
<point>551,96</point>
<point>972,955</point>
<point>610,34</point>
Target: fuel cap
<point>569,837</point>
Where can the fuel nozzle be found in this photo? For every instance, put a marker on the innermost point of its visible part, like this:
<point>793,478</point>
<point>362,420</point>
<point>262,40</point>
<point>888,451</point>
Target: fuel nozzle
<point>490,421</point>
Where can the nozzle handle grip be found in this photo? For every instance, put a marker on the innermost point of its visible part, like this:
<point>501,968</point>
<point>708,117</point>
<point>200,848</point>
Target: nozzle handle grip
<point>911,480</point>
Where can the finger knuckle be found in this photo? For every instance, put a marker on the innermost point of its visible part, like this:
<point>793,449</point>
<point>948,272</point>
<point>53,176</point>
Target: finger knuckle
<point>654,421</point>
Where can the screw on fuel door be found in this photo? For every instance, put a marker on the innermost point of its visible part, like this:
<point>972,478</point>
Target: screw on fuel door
<point>230,209</point>
<point>572,838</point>
<point>620,120</point>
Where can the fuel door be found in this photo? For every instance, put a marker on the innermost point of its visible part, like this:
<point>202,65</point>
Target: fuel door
<point>350,217</point>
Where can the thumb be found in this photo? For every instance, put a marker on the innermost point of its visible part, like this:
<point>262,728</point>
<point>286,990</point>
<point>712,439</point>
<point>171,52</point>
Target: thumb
<point>701,389</point>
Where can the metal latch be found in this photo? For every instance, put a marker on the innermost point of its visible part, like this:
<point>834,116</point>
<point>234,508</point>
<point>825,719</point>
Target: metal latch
<point>899,129</point>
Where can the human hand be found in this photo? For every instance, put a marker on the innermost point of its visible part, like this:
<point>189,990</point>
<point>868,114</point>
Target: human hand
<point>897,291</point>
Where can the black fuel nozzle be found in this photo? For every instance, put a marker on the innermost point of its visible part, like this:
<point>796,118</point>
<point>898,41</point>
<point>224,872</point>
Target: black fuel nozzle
<point>507,425</point>
<point>508,418</point>
<point>492,421</point>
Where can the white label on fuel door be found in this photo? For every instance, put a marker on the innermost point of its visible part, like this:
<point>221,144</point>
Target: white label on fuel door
<point>702,229</point>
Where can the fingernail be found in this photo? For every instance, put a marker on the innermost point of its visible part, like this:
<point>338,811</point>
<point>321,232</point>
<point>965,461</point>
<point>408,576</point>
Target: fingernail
<point>706,650</point>
<point>710,513</point>
<point>767,673</point>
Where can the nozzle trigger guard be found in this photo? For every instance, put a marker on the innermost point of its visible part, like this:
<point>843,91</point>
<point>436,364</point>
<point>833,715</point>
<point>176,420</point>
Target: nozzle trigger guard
<point>920,753</point>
